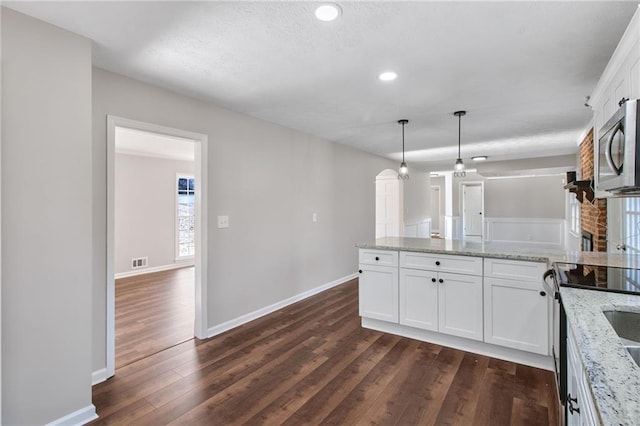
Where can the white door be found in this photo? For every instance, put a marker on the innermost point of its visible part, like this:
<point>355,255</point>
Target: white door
<point>419,299</point>
<point>388,205</point>
<point>460,305</point>
<point>472,210</point>
<point>435,209</point>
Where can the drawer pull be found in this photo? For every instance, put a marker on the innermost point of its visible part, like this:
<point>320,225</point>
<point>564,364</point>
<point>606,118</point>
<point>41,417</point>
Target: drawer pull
<point>440,280</point>
<point>377,258</point>
<point>359,271</point>
<point>433,280</point>
<point>543,293</point>
<point>437,263</point>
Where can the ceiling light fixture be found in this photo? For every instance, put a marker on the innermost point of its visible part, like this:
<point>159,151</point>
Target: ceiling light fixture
<point>403,172</point>
<point>479,158</point>
<point>388,76</point>
<point>328,12</point>
<point>458,168</point>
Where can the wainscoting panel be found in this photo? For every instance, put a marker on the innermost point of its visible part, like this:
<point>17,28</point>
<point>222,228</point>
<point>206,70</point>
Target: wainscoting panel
<point>527,230</point>
<point>419,229</point>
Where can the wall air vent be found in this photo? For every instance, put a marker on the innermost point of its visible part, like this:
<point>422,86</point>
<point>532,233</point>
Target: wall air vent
<point>140,262</point>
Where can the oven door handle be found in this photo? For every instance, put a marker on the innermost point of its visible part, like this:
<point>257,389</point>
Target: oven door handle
<point>549,273</point>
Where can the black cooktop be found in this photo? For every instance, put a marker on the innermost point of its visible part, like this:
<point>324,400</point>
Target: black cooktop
<point>604,278</point>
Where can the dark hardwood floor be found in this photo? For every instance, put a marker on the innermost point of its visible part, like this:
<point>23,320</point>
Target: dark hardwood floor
<point>153,312</point>
<point>312,363</point>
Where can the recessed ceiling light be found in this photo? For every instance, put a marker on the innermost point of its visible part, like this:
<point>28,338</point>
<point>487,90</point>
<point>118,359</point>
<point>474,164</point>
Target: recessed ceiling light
<point>479,158</point>
<point>328,12</point>
<point>388,76</point>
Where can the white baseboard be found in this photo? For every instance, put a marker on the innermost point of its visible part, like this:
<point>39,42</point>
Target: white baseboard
<point>99,376</point>
<point>474,346</point>
<point>78,417</point>
<point>225,326</point>
<point>161,268</point>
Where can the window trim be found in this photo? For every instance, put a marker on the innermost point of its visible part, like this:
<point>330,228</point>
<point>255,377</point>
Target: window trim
<point>575,219</point>
<point>176,245</point>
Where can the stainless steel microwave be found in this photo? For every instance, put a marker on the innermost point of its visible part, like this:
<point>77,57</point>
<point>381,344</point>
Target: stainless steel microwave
<point>619,151</point>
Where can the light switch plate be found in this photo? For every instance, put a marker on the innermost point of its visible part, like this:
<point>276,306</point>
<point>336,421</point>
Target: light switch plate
<point>223,221</point>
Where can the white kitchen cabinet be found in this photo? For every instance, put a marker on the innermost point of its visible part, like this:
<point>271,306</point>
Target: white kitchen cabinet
<point>580,406</point>
<point>378,285</point>
<point>460,305</point>
<point>620,79</point>
<point>516,315</point>
<point>441,301</point>
<point>516,305</point>
<point>419,299</point>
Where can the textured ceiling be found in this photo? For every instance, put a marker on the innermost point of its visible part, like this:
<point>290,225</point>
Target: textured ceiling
<point>520,69</point>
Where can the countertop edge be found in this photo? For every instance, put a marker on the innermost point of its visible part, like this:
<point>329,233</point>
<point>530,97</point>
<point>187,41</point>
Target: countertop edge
<point>455,252</point>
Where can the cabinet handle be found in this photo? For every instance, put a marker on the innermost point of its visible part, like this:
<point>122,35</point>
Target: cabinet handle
<point>359,271</point>
<point>622,101</point>
<point>437,263</point>
<point>572,409</point>
<point>440,280</point>
<point>377,258</point>
<point>542,293</point>
<point>433,280</point>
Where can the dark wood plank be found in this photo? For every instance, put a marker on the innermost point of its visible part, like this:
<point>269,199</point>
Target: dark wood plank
<point>152,313</point>
<point>313,363</point>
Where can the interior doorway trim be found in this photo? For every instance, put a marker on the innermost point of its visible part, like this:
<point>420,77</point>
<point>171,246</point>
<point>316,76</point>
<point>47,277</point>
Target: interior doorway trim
<point>200,166</point>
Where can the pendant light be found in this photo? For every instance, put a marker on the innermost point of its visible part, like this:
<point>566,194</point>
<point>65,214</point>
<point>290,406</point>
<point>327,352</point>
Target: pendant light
<point>403,172</point>
<point>458,168</point>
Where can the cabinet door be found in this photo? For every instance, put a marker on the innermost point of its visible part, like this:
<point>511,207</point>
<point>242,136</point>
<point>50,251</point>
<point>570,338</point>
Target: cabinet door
<point>378,292</point>
<point>419,299</point>
<point>460,305</point>
<point>516,315</point>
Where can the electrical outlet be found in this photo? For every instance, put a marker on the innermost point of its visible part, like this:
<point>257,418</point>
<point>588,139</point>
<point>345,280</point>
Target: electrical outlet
<point>139,262</point>
<point>223,221</point>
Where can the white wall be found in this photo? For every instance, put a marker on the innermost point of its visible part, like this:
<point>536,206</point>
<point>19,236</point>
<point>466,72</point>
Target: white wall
<point>417,198</point>
<point>145,209</point>
<point>46,222</point>
<point>531,197</point>
<point>269,180</point>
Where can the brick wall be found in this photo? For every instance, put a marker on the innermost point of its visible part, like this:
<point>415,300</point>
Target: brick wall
<point>593,215</point>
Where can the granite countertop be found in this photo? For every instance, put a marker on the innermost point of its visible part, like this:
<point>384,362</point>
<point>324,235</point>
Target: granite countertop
<point>500,250</point>
<point>613,375</point>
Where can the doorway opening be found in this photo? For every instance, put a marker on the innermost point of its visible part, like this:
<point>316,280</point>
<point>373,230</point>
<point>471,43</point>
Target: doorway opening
<point>156,245</point>
<point>472,206</point>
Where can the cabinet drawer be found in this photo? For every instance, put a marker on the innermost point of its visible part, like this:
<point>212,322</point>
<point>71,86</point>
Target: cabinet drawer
<point>379,257</point>
<point>442,263</point>
<point>514,269</point>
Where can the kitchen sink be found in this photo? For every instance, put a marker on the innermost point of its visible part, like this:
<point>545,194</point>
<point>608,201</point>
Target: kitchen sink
<point>634,351</point>
<point>626,325</point>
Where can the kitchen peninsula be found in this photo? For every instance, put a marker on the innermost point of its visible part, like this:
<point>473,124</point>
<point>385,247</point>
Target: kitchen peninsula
<point>481,297</point>
<point>490,298</point>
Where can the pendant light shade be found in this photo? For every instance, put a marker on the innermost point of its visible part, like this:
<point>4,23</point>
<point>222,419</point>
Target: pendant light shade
<point>458,168</point>
<point>403,172</point>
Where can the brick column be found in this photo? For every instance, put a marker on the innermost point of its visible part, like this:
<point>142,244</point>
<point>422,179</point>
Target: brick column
<point>593,215</point>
